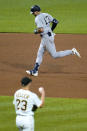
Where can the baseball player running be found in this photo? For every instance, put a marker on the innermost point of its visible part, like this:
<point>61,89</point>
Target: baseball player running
<point>26,102</point>
<point>43,21</point>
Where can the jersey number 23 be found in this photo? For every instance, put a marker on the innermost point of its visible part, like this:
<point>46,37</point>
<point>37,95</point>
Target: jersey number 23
<point>21,104</point>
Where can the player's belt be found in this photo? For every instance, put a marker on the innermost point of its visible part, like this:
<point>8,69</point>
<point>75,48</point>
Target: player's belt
<point>48,33</point>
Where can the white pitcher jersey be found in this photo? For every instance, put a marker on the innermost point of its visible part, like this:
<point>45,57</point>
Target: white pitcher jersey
<point>24,101</point>
<point>43,20</point>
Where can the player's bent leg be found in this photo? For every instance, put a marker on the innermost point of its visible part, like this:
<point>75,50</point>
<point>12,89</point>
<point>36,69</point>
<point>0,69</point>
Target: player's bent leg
<point>52,50</point>
<point>61,53</point>
<point>65,53</point>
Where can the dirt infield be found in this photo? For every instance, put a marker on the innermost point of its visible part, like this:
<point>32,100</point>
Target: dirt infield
<point>63,77</point>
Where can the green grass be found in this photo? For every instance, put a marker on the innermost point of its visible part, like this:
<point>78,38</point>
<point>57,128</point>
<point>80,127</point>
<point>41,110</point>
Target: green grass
<point>15,17</point>
<point>58,114</point>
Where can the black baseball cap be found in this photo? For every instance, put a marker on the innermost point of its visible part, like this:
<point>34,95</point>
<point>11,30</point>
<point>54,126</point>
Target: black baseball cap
<point>25,81</point>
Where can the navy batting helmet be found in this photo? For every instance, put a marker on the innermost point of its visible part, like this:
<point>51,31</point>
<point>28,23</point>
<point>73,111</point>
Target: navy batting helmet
<point>35,8</point>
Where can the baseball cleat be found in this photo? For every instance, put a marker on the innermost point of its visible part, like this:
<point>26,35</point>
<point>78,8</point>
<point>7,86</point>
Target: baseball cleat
<point>32,72</point>
<point>75,52</point>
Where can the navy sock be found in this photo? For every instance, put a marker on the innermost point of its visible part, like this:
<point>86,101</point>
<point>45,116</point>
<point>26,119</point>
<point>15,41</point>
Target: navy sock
<point>36,67</point>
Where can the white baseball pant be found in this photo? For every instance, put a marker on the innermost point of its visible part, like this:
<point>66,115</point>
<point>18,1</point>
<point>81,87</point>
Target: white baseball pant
<point>25,123</point>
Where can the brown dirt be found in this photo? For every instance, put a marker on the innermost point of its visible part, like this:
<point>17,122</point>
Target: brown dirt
<point>63,77</point>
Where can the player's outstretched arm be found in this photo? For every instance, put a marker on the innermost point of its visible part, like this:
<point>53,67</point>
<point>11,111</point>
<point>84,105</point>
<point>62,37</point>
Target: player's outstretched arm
<point>42,92</point>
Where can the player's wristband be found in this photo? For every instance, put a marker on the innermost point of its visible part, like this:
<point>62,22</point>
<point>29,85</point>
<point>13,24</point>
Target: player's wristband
<point>54,24</point>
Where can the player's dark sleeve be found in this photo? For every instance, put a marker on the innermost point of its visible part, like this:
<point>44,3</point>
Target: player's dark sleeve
<point>54,24</point>
<point>34,108</point>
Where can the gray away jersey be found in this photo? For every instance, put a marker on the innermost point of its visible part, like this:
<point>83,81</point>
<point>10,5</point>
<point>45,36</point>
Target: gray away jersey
<point>43,20</point>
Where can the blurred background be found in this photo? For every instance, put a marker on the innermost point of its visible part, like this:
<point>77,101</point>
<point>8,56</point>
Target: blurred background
<point>15,15</point>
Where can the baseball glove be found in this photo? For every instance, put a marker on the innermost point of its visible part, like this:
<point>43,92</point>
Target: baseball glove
<point>34,108</point>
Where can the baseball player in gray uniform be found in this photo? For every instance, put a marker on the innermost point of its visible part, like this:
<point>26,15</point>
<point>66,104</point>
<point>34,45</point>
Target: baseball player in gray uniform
<point>26,102</point>
<point>43,21</point>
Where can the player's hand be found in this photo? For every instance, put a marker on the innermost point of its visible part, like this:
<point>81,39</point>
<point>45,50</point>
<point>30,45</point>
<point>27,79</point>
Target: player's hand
<point>35,31</point>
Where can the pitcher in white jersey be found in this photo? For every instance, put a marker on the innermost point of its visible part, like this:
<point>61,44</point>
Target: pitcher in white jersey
<point>43,21</point>
<point>26,102</point>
